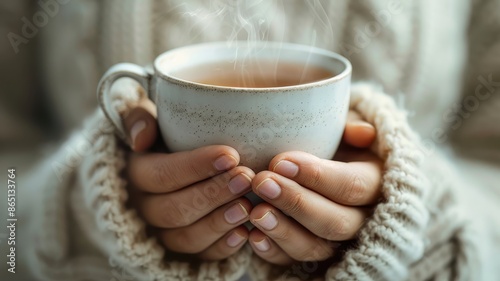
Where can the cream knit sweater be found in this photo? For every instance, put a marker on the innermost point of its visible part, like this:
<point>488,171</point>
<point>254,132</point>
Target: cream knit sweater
<point>433,82</point>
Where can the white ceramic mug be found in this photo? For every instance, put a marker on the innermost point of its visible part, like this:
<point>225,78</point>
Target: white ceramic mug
<point>258,122</point>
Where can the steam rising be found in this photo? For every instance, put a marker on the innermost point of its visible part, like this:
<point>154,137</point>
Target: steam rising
<point>256,21</point>
<point>240,20</point>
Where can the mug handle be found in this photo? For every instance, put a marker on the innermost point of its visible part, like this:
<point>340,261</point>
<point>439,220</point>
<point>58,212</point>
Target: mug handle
<point>140,74</point>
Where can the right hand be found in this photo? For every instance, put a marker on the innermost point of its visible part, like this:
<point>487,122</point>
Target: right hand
<point>194,198</point>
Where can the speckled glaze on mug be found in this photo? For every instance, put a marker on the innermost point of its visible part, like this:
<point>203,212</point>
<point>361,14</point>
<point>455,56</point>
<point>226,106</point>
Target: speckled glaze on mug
<point>258,122</point>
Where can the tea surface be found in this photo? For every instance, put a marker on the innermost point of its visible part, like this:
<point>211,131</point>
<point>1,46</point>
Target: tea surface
<point>254,74</point>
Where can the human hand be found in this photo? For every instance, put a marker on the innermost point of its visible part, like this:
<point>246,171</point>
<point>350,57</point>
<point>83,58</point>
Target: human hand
<point>311,202</point>
<point>192,199</point>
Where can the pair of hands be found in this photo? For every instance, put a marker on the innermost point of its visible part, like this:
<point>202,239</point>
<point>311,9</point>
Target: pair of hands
<point>194,199</point>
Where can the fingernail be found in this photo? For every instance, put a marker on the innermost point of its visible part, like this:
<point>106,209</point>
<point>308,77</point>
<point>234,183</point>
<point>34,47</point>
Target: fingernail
<point>239,183</point>
<point>262,245</point>
<point>235,214</point>
<point>225,162</point>
<point>269,188</point>
<point>286,168</point>
<point>234,240</point>
<point>138,127</point>
<point>268,221</point>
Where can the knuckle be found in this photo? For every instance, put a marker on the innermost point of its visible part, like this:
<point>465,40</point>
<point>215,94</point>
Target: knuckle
<point>315,176</point>
<point>174,214</point>
<point>320,252</point>
<point>355,189</point>
<point>211,192</point>
<point>161,174</point>
<point>215,225</point>
<point>215,198</point>
<point>194,168</point>
<point>281,235</point>
<point>336,229</point>
<point>295,205</point>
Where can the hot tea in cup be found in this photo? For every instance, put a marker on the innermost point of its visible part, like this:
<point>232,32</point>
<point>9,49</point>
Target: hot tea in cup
<point>262,98</point>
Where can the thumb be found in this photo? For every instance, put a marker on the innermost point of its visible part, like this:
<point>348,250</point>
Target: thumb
<point>358,133</point>
<point>141,126</point>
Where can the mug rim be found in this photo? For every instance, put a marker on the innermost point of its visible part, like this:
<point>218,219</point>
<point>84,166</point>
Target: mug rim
<point>264,44</point>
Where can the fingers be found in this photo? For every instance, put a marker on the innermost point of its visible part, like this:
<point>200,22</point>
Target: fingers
<point>160,172</point>
<point>226,246</point>
<point>331,221</point>
<point>296,241</point>
<point>141,126</point>
<point>188,205</point>
<point>358,132</point>
<point>213,228</point>
<point>353,183</point>
<point>265,248</point>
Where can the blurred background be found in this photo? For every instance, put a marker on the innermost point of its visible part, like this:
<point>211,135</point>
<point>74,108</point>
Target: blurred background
<point>21,91</point>
<point>53,54</point>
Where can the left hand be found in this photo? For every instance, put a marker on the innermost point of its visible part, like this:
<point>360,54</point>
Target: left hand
<point>311,202</point>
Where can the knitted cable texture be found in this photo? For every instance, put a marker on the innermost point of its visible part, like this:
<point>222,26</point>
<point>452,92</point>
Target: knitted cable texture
<point>105,193</point>
<point>392,239</point>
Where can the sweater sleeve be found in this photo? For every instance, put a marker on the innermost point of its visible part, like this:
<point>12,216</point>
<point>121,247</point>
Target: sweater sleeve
<point>459,194</point>
<point>76,225</point>
<point>394,237</point>
<point>436,220</point>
